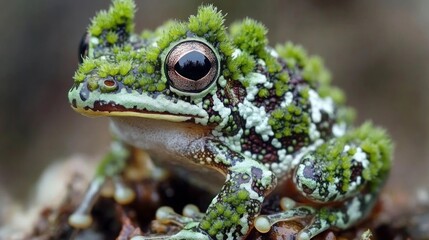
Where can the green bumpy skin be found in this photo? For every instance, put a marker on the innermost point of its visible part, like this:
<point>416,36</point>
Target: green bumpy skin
<point>272,113</point>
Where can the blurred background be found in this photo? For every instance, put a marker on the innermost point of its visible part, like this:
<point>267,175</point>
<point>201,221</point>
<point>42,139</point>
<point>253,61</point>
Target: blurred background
<point>378,52</point>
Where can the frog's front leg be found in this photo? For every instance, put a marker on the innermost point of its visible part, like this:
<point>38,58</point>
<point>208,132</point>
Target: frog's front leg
<point>112,165</point>
<point>232,212</point>
<point>347,173</point>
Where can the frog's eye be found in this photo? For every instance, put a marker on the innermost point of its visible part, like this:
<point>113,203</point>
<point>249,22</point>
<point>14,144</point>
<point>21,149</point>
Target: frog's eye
<point>83,47</point>
<point>191,66</point>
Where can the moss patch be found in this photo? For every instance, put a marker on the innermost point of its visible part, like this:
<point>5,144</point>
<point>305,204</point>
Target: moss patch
<point>226,213</point>
<point>121,13</point>
<point>249,35</point>
<point>373,141</point>
<point>289,121</point>
<point>312,70</point>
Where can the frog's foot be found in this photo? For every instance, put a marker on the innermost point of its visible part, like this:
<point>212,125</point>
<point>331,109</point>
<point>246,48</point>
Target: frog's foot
<point>109,171</point>
<point>190,232</point>
<point>322,219</point>
<point>188,221</point>
<point>263,223</point>
<point>191,213</point>
<point>81,217</point>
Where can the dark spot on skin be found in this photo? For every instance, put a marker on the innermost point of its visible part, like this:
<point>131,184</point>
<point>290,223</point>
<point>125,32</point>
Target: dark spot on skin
<point>271,204</point>
<point>332,198</point>
<point>242,178</point>
<point>339,186</point>
<point>307,190</point>
<point>190,34</point>
<point>325,126</point>
<point>296,141</point>
<point>122,33</point>
<point>255,144</point>
<point>74,103</point>
<point>356,169</point>
<point>256,173</point>
<point>84,92</point>
<point>236,92</point>
<point>309,172</point>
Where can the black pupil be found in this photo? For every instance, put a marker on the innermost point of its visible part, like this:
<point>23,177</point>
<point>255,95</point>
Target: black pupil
<point>193,65</point>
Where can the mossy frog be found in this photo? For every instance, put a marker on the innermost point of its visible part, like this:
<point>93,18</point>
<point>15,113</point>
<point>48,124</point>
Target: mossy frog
<point>227,111</point>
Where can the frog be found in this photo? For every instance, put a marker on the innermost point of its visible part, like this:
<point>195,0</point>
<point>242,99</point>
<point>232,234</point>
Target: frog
<point>226,111</point>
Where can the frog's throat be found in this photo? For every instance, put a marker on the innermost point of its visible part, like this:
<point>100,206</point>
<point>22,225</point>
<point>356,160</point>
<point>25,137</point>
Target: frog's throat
<point>157,116</point>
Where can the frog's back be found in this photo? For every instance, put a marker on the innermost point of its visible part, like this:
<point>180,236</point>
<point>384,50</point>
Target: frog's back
<point>288,106</point>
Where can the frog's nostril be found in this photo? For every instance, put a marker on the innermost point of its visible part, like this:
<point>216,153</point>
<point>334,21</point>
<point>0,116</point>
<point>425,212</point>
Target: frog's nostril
<point>109,85</point>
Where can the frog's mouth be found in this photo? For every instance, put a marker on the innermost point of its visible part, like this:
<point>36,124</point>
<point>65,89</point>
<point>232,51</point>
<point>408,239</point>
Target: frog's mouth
<point>111,110</point>
<point>125,103</point>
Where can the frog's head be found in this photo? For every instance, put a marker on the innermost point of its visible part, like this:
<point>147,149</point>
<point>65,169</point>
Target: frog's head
<point>183,71</point>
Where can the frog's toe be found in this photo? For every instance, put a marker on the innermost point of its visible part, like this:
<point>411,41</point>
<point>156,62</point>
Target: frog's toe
<point>188,222</point>
<point>79,220</point>
<point>287,203</point>
<point>191,213</point>
<point>81,217</point>
<point>165,214</point>
<point>151,238</point>
<point>123,194</point>
<point>263,223</point>
<point>317,226</point>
